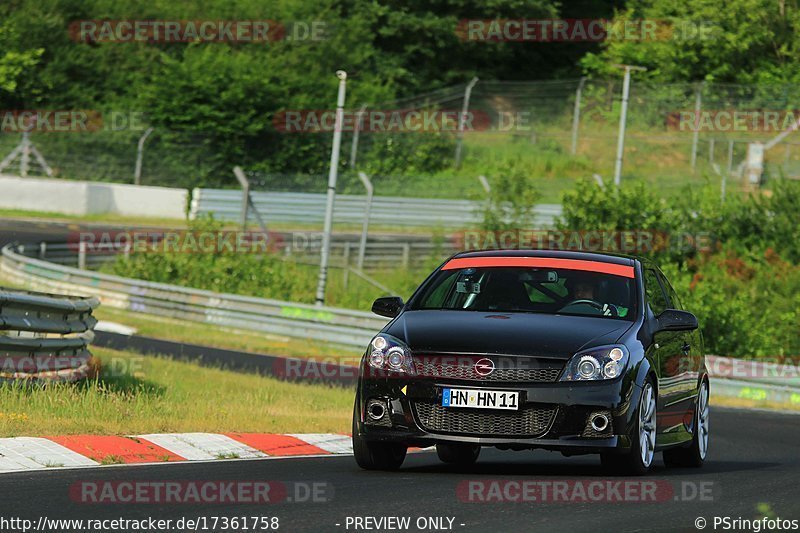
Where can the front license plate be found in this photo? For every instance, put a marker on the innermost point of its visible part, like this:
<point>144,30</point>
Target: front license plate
<point>480,399</point>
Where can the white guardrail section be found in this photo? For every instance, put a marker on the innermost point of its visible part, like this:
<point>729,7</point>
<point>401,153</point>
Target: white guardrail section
<point>226,204</point>
<point>326,324</point>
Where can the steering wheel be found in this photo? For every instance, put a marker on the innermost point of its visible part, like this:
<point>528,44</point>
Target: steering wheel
<point>597,305</point>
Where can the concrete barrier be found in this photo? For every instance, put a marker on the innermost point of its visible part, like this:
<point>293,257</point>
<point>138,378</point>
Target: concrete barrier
<point>85,198</point>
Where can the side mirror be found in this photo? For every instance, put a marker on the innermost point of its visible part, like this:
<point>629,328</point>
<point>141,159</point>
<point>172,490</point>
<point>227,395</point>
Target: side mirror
<point>674,320</point>
<point>388,306</point>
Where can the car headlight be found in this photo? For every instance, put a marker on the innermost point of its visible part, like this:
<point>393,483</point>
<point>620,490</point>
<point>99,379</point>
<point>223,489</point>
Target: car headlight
<point>595,364</point>
<point>389,353</point>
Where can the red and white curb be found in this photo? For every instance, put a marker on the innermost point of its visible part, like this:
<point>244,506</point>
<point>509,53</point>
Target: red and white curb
<point>32,453</point>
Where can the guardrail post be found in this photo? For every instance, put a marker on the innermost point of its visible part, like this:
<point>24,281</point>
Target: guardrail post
<point>406,254</point>
<point>362,247</point>
<point>42,250</point>
<point>82,255</point>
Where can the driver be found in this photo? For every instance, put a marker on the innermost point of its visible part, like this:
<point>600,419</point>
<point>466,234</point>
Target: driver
<point>582,289</point>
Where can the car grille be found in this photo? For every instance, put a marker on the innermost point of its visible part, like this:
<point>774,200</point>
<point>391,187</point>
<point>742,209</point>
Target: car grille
<point>506,369</point>
<point>527,422</point>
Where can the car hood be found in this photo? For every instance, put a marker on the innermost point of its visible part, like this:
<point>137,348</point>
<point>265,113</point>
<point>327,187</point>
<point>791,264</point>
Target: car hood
<point>532,334</point>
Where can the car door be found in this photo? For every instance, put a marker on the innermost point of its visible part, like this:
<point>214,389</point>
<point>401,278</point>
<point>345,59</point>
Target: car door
<point>691,356</point>
<point>666,354</point>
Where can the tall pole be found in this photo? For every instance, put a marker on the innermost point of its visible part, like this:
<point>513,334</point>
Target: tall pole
<point>137,173</point>
<point>463,118</point>
<point>576,116</point>
<point>332,175</point>
<point>626,88</point>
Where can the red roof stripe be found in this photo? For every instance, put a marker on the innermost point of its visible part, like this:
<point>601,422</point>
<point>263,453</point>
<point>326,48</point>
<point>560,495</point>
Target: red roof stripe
<point>540,262</point>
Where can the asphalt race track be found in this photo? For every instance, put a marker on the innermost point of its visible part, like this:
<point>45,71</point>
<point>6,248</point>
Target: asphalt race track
<point>753,460</point>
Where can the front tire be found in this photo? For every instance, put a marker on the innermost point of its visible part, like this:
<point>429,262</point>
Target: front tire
<point>376,455</point>
<point>457,453</point>
<point>694,455</point>
<point>639,459</point>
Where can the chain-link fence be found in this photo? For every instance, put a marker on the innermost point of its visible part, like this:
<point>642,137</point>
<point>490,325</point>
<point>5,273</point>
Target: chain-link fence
<point>554,131</point>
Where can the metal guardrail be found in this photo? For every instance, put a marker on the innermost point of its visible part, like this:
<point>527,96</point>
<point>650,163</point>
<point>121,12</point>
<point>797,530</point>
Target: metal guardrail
<point>226,204</point>
<point>327,324</point>
<point>749,380</point>
<point>45,336</point>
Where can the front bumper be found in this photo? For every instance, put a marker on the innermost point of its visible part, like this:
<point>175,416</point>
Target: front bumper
<point>561,412</point>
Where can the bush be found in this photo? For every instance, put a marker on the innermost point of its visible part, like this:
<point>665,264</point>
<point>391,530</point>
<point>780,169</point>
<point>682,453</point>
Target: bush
<point>745,287</point>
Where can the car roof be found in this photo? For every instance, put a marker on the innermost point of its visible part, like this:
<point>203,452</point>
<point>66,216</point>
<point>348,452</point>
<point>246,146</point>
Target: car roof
<point>605,257</point>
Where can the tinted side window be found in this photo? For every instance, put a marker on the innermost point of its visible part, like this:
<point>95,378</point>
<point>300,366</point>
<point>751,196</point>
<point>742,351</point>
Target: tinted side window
<point>674,302</point>
<point>654,292</point>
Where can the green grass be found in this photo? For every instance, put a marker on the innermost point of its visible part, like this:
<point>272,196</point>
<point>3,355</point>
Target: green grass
<point>138,395</point>
<point>219,337</point>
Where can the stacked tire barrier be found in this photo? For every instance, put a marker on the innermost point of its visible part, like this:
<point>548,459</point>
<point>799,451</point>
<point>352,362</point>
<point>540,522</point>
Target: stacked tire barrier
<point>326,324</point>
<point>45,337</point>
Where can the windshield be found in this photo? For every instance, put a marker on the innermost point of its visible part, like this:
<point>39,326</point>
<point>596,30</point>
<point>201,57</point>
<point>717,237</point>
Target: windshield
<point>550,291</point>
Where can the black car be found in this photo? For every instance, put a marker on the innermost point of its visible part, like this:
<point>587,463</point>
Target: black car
<point>569,351</point>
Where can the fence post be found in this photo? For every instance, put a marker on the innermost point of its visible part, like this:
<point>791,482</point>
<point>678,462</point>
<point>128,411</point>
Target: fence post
<point>623,116</point>
<point>26,155</point>
<point>711,150</point>
<point>485,184</point>
<point>576,115</point>
<point>346,263</point>
<point>462,119</point>
<point>730,156</point>
<point>137,173</point>
<point>362,246</point>
<point>237,171</point>
<point>354,144</point>
<point>332,175</point>
<point>698,101</point>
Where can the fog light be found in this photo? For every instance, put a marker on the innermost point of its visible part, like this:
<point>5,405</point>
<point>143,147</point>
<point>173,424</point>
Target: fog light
<point>588,367</point>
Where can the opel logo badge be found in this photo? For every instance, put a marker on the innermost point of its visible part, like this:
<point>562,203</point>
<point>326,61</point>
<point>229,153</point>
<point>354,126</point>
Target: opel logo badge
<point>484,367</point>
